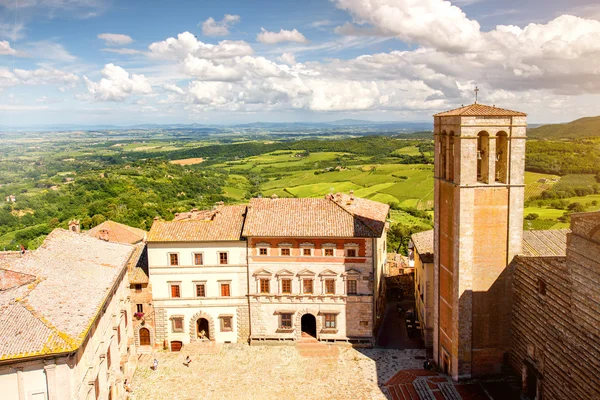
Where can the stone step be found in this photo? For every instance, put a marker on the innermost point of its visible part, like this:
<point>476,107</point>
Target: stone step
<point>423,389</point>
<point>449,391</point>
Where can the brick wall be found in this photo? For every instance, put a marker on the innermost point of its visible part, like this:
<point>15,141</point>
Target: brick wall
<point>556,335</point>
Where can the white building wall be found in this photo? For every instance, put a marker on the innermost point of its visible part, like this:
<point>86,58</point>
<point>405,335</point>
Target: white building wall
<point>187,275</point>
<point>73,377</point>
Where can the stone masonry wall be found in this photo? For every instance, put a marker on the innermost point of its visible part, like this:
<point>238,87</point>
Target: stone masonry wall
<point>243,324</point>
<point>556,335</point>
<point>161,325</point>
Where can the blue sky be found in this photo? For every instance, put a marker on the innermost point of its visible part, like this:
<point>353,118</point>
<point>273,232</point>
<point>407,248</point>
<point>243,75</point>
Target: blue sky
<point>128,62</point>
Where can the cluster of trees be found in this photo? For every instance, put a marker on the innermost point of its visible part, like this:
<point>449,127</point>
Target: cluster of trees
<point>563,157</point>
<point>132,195</point>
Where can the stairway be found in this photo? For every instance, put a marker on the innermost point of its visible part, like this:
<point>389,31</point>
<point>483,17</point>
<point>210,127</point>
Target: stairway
<point>309,346</point>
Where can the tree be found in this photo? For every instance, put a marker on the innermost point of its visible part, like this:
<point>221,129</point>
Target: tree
<point>98,219</point>
<point>576,207</point>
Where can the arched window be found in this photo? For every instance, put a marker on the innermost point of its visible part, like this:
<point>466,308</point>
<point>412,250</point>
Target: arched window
<point>443,154</point>
<point>502,157</point>
<point>450,174</point>
<point>483,157</point>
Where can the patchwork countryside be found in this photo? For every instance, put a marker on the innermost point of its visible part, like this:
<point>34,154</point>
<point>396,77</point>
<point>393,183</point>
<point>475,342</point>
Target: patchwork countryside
<point>340,200</point>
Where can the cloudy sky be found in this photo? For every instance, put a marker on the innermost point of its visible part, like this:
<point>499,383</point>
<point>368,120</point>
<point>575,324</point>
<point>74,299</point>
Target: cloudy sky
<point>230,61</point>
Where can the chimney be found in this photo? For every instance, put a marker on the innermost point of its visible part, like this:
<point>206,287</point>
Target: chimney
<point>104,234</point>
<point>274,196</point>
<point>329,196</point>
<point>338,197</point>
<point>352,195</point>
<point>74,226</point>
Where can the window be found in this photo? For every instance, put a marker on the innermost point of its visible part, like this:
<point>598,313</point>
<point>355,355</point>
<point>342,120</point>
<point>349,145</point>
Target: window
<point>541,286</point>
<point>262,251</point>
<point>329,252</point>
<point>138,287</point>
<point>502,157</point>
<point>306,252</point>
<point>307,286</point>
<point>286,286</point>
<point>222,258</point>
<point>140,308</point>
<point>177,324</point>
<point>175,292</point>
<point>200,290</point>
<point>198,259</point>
<point>483,164</point>
<point>225,290</point>
<point>226,325</point>
<point>264,286</point>
<point>351,286</point>
<point>286,252</point>
<point>330,321</point>
<point>286,321</point>
<point>450,172</point>
<point>443,155</point>
<point>351,253</point>
<point>173,259</point>
<point>329,286</point>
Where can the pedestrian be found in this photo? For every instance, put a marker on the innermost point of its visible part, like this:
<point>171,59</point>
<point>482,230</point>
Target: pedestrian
<point>187,361</point>
<point>155,364</point>
<point>126,386</point>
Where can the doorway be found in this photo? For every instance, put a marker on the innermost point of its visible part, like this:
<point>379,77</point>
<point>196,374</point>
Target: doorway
<point>203,328</point>
<point>308,325</point>
<point>531,384</point>
<point>176,346</point>
<point>144,337</point>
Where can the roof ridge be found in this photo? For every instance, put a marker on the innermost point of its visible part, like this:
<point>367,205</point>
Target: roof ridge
<point>358,217</point>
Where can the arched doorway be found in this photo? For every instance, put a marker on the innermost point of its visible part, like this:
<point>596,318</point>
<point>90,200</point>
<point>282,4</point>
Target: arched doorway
<point>203,328</point>
<point>144,337</point>
<point>308,325</point>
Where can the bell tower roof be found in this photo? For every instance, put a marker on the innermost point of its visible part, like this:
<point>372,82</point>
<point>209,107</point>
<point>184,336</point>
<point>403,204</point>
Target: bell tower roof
<point>480,110</point>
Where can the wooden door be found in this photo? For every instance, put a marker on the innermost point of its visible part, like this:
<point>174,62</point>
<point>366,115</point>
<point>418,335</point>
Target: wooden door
<point>176,346</point>
<point>144,337</point>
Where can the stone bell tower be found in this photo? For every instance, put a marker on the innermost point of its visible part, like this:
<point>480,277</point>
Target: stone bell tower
<point>479,194</point>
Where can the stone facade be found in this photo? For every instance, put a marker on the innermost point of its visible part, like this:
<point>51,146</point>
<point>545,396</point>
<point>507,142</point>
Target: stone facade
<point>423,294</point>
<point>180,318</point>
<point>479,170</point>
<point>555,342</point>
<point>354,313</point>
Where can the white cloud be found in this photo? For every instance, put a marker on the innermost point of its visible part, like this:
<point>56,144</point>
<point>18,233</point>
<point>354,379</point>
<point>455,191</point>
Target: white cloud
<point>117,85</point>
<point>282,36</point>
<point>5,49</point>
<point>37,77</point>
<point>115,39</point>
<point>186,43</point>
<point>210,27</point>
<point>122,51</point>
<point>287,58</point>
<point>49,50</point>
<point>11,30</point>
<point>321,23</point>
<point>173,88</point>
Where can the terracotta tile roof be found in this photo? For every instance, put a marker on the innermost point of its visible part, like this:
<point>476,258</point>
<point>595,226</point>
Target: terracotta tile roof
<point>423,242</point>
<point>138,265</point>
<point>117,232</point>
<point>74,274</point>
<point>334,216</point>
<point>222,224</point>
<point>552,242</point>
<point>480,110</point>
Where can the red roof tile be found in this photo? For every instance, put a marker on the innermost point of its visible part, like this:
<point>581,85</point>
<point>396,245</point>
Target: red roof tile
<point>223,224</point>
<point>480,110</point>
<point>335,216</point>
<point>116,232</point>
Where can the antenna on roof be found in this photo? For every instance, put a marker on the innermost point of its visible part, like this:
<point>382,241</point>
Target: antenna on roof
<point>476,93</point>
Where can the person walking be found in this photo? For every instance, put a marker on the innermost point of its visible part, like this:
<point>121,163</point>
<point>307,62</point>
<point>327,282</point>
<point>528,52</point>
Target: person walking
<point>155,364</point>
<point>187,361</point>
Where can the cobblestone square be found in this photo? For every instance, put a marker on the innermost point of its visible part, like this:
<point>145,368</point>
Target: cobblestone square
<point>239,371</point>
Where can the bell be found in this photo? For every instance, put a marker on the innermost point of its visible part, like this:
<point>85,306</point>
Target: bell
<point>479,155</point>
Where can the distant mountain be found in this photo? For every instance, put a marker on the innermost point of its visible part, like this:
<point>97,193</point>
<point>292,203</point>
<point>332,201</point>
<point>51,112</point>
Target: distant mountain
<point>580,128</point>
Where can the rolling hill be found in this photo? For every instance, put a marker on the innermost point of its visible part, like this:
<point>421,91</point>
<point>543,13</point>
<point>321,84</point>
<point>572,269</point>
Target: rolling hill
<point>580,128</point>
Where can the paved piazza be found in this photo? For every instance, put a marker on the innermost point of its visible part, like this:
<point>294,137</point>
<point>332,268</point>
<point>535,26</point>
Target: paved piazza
<point>239,371</point>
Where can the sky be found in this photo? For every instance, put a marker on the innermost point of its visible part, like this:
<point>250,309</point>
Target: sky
<point>92,62</point>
